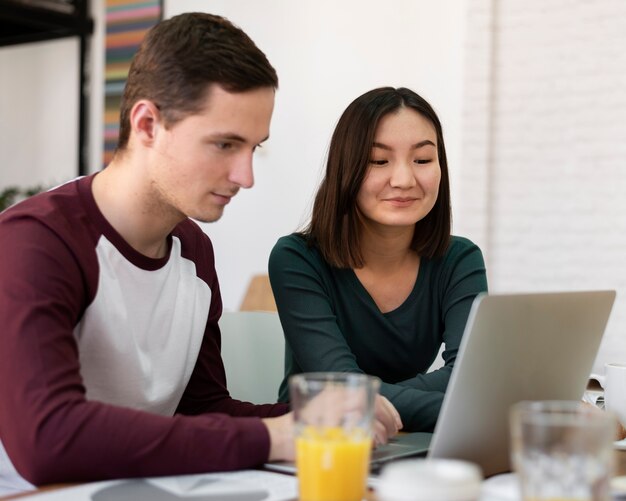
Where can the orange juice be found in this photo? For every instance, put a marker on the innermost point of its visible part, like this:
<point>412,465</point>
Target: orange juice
<point>332,464</point>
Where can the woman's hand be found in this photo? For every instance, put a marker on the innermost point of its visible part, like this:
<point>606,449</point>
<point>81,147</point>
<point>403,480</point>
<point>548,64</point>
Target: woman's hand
<point>387,421</point>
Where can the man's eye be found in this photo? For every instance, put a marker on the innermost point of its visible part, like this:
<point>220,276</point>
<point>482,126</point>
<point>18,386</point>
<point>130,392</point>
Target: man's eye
<point>224,146</point>
<point>378,162</point>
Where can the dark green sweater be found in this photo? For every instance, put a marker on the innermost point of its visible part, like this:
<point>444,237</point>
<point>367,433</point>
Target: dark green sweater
<point>331,323</point>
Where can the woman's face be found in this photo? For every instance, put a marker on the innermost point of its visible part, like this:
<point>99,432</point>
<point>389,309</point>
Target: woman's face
<point>402,181</point>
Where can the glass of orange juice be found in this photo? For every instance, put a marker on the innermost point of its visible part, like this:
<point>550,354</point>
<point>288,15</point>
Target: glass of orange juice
<point>562,450</point>
<point>334,414</point>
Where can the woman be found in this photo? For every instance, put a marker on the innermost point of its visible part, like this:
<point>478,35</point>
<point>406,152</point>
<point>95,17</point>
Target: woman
<point>376,283</point>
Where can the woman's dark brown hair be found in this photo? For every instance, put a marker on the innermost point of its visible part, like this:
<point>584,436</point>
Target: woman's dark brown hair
<point>180,57</point>
<point>335,227</point>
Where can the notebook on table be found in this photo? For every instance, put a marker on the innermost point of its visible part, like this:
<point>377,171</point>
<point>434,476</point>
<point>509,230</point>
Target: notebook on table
<point>537,346</point>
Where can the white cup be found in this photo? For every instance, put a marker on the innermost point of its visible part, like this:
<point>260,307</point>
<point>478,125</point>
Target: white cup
<point>430,480</point>
<point>615,390</point>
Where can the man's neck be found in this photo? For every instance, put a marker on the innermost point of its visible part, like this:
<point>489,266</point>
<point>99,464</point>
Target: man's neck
<point>123,195</point>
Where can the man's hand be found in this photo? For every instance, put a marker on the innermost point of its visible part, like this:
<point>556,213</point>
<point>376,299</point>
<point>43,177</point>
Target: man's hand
<point>387,421</point>
<point>282,440</point>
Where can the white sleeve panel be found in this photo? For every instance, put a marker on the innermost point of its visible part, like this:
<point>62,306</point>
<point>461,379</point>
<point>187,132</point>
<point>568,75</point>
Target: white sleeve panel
<point>140,337</point>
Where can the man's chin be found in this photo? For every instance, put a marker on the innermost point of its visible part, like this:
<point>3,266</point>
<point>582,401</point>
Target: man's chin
<point>208,218</point>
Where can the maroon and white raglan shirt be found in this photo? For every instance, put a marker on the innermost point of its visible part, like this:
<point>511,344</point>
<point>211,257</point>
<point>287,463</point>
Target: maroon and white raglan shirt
<point>110,361</point>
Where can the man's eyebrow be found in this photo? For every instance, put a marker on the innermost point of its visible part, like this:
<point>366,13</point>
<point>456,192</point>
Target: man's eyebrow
<point>229,136</point>
<point>415,146</point>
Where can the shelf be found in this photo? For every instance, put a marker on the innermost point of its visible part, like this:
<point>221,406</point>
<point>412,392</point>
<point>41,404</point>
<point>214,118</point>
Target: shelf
<point>24,21</point>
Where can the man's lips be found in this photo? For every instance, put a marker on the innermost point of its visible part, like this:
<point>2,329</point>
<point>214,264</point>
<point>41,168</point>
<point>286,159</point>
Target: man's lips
<point>223,198</point>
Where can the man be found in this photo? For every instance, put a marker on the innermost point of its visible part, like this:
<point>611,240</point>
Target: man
<point>109,300</point>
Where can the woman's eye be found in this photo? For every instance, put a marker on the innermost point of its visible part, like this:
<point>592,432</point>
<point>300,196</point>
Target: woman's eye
<point>378,162</point>
<point>422,161</point>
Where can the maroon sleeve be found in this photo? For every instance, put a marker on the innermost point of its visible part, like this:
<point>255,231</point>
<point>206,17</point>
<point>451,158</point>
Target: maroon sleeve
<point>206,391</point>
<point>48,428</point>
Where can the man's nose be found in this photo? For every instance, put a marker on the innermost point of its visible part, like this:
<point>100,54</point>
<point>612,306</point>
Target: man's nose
<point>241,173</point>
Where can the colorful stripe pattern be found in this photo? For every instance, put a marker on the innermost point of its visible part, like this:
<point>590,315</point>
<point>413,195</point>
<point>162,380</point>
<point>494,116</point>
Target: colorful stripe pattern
<point>127,22</point>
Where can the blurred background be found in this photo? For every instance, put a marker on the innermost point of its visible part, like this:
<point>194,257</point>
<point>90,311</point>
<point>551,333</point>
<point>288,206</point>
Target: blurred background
<point>531,95</point>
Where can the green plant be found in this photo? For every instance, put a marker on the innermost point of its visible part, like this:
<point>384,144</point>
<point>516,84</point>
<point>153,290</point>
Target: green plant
<point>13,194</point>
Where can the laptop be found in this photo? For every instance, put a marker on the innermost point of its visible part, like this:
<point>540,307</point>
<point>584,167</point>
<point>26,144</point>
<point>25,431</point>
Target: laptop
<point>515,347</point>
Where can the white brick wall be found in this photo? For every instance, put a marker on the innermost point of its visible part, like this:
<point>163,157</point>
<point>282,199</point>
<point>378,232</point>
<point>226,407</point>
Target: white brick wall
<point>544,171</point>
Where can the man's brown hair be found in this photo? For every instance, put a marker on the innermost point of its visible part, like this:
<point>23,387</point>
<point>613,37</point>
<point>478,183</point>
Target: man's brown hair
<point>181,56</point>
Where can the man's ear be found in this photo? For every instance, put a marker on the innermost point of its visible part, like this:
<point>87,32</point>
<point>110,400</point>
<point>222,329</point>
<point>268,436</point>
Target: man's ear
<point>145,118</point>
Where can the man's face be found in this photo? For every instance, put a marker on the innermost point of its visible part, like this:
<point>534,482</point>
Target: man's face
<point>201,162</point>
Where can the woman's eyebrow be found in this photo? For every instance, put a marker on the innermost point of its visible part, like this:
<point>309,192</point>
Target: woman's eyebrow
<point>425,142</point>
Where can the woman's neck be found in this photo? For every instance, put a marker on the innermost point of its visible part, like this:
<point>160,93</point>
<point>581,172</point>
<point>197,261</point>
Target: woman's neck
<point>390,266</point>
<point>387,248</point>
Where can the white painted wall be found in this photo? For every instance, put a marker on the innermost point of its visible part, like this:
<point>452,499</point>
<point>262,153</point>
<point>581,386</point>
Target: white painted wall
<point>327,53</point>
<point>96,85</point>
<point>38,113</point>
<point>545,148</point>
<point>533,123</point>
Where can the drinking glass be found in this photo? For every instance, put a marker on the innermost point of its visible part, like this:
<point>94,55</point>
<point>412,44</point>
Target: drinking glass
<point>562,450</point>
<point>334,414</point>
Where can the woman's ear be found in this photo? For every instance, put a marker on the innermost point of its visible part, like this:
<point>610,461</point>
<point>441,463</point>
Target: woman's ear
<point>145,118</point>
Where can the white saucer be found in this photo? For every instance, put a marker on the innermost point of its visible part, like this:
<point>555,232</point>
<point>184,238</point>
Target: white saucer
<point>618,487</point>
<point>505,487</point>
<point>502,487</point>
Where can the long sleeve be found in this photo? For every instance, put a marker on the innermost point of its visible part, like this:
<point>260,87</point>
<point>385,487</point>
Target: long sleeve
<point>50,430</point>
<point>207,391</point>
<point>331,324</point>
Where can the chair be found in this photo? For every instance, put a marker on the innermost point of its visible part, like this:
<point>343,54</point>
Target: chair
<point>253,350</point>
<point>259,296</point>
